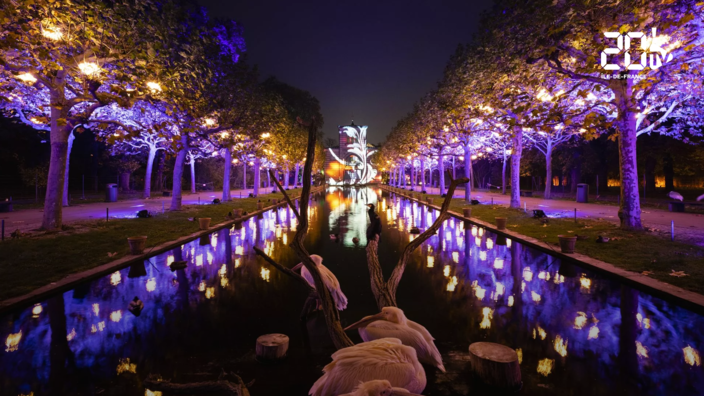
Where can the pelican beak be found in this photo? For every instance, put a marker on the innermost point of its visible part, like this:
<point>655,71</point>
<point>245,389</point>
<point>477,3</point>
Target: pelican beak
<point>365,321</point>
<point>402,392</point>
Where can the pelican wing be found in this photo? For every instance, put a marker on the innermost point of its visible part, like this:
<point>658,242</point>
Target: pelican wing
<point>385,358</point>
<point>413,335</point>
<point>330,281</point>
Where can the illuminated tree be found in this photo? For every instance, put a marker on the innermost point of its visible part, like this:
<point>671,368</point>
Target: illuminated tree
<point>64,60</point>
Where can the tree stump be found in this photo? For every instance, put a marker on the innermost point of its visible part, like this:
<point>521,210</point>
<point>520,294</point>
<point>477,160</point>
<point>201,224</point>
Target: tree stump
<point>495,365</point>
<point>272,347</point>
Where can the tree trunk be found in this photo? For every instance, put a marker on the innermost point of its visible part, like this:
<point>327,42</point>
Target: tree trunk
<point>148,175</point>
<point>71,138</point>
<point>176,193</point>
<point>383,297</point>
<point>503,175</point>
<point>192,166</point>
<point>268,180</point>
<point>467,174</point>
<point>629,211</point>
<point>161,159</point>
<point>517,151</point>
<point>52,217</point>
<point>295,178</point>
<point>422,175</point>
<point>257,176</point>
<point>548,172</point>
<point>226,190</point>
<point>59,351</point>
<point>441,174</point>
<point>244,174</point>
<point>286,177</point>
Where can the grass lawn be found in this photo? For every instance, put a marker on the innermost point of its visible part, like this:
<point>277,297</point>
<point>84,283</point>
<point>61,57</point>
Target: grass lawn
<point>29,263</point>
<point>633,251</point>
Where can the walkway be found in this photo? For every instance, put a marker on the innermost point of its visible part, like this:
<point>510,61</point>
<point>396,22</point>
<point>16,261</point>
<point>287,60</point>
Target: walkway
<point>688,226</point>
<point>31,219</point>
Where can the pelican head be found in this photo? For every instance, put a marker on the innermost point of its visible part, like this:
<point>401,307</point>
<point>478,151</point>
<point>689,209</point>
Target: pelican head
<point>389,314</point>
<point>379,388</point>
<point>316,259</point>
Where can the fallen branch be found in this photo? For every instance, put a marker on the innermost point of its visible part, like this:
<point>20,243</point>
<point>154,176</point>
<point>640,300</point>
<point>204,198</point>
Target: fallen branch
<point>223,386</point>
<point>385,291</point>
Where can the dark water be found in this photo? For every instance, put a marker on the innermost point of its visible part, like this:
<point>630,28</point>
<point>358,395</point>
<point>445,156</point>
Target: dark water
<point>577,332</point>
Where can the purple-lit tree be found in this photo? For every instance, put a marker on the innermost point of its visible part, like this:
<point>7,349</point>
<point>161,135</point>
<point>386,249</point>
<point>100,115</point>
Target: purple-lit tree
<point>64,60</point>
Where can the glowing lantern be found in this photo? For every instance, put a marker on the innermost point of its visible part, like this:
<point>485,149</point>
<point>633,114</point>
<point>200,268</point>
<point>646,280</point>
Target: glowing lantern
<point>580,320</point>
<point>641,351</point>
<point>545,367</point>
<point>691,356</point>
<point>116,316</point>
<point>36,310</point>
<point>446,271</point>
<point>498,263</point>
<point>560,346</point>
<point>51,31</point>
<point>124,366</point>
<point>154,86</point>
<point>151,285</point>
<point>489,244</point>
<point>431,261</point>
<point>486,321</point>
<point>27,78</point>
<point>115,278</point>
<point>13,341</point>
<point>90,69</point>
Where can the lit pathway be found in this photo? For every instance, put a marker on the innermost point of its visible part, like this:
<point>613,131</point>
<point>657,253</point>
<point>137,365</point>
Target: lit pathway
<point>689,225</point>
<point>30,219</point>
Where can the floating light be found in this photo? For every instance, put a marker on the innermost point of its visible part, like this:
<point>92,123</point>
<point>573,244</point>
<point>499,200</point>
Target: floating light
<point>489,244</point>
<point>560,345</point>
<point>199,260</point>
<point>500,288</point>
<point>641,351</point>
<point>452,284</point>
<point>545,367</point>
<point>210,293</point>
<point>456,257</point>
<point>169,260</point>
<point>116,316</point>
<point>691,356</point>
<point>36,310</point>
<point>585,283</point>
<point>71,335</point>
<point>115,278</point>
<point>593,333</point>
<point>541,332</point>
<point>151,285</point>
<point>527,274</point>
<point>519,352</point>
<point>124,366</point>
<point>446,271</point>
<point>482,255</point>
<point>96,309</point>
<point>510,301</point>
<point>265,274</point>
<point>498,263</point>
<point>536,297</point>
<point>580,320</point>
<point>508,243</point>
<point>13,341</point>
<point>431,261</point>
<point>201,286</point>
<point>479,292</point>
<point>486,320</point>
<point>101,325</point>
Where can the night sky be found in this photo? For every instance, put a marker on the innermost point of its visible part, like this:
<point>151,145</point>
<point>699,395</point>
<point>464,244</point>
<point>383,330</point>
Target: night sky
<point>364,60</point>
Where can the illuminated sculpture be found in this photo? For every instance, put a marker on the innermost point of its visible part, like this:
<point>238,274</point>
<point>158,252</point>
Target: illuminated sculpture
<point>357,157</point>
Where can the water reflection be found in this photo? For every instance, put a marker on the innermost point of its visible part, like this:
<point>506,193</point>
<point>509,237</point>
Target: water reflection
<point>572,329</point>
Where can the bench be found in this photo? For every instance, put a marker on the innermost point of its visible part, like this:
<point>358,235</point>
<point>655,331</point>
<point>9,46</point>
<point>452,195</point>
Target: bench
<point>5,206</point>
<point>526,193</point>
<point>678,206</point>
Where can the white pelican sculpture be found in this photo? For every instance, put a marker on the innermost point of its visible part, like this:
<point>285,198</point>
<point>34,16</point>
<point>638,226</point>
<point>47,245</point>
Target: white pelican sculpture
<point>392,322</point>
<point>382,359</point>
<point>379,388</point>
<point>328,278</point>
<point>675,195</point>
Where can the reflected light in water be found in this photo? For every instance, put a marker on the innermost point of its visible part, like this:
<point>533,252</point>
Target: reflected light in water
<point>452,284</point>
<point>265,274</point>
<point>13,341</point>
<point>541,332</point>
<point>641,351</point>
<point>71,335</point>
<point>169,260</point>
<point>580,320</point>
<point>498,263</point>
<point>545,366</point>
<point>560,346</point>
<point>519,352</point>
<point>691,356</point>
<point>456,257</point>
<point>474,231</point>
<point>431,261</point>
<point>478,241</point>
<point>486,321</point>
<point>201,286</point>
<point>489,244</point>
<point>223,270</point>
<point>101,326</point>
<point>585,283</point>
<point>36,310</point>
<point>239,250</point>
<point>500,288</point>
<point>224,282</point>
<point>644,322</point>
<point>116,316</point>
<point>536,297</point>
<point>237,263</point>
<point>115,278</point>
<point>446,271</point>
<point>508,242</point>
<point>151,285</point>
<point>210,293</point>
<point>510,301</point>
<point>482,255</point>
<point>210,258</point>
<point>147,392</point>
<point>96,309</point>
<point>527,274</point>
<point>124,366</point>
<point>481,232</point>
<point>199,260</point>
<point>479,292</point>
<point>593,333</point>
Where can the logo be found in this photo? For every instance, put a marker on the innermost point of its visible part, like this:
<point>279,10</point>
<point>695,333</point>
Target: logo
<point>653,54</point>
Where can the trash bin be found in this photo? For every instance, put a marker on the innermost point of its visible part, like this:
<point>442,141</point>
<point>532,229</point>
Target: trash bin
<point>583,192</point>
<point>111,192</point>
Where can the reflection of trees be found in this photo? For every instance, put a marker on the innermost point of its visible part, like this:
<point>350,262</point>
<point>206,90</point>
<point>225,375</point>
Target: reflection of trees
<point>59,351</point>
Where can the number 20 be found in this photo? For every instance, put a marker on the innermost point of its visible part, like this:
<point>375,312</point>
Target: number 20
<point>623,45</point>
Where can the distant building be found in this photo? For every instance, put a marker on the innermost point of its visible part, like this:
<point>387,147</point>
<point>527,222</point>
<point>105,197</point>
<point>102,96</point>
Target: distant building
<point>349,163</point>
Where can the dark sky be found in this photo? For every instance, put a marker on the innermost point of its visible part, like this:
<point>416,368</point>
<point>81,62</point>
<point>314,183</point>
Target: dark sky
<point>368,60</point>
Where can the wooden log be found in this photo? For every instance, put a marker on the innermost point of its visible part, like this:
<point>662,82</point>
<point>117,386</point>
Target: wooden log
<point>495,365</point>
<point>272,347</point>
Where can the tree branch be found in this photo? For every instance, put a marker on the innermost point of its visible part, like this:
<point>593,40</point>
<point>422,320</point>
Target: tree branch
<point>286,197</point>
<point>283,269</point>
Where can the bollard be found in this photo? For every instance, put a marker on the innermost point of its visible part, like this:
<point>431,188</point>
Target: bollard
<point>672,231</point>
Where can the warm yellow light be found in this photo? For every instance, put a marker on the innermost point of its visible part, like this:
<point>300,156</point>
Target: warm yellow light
<point>446,271</point>
<point>489,149</point>
<point>593,333</point>
<point>691,356</point>
<point>36,310</point>
<point>580,320</point>
<point>585,283</point>
<point>151,285</point>
<point>265,135</point>
<point>115,278</point>
<point>498,263</point>
<point>527,274</point>
<point>13,341</point>
<point>545,367</point>
<point>90,69</point>
<point>560,346</point>
<point>209,122</point>
<point>265,274</point>
<point>431,261</point>
<point>124,366</point>
<point>27,77</point>
<point>641,351</point>
<point>210,293</point>
<point>154,86</point>
<point>116,316</point>
<point>536,297</point>
<point>486,321</point>
<point>51,31</point>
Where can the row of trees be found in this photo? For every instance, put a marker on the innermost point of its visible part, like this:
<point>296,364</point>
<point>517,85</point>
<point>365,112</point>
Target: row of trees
<point>144,76</point>
<point>546,72</point>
